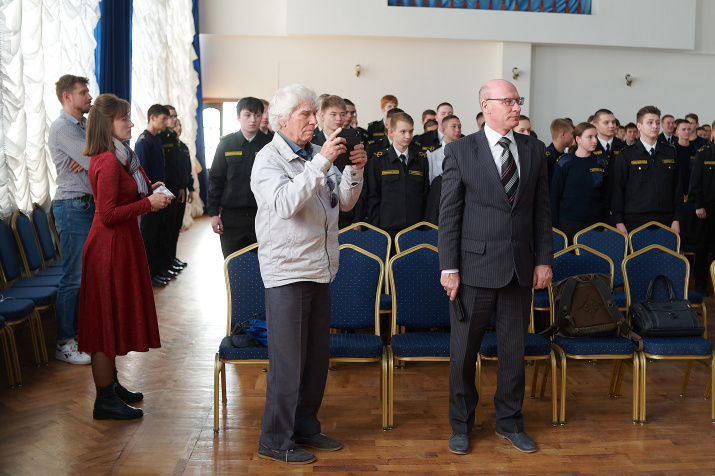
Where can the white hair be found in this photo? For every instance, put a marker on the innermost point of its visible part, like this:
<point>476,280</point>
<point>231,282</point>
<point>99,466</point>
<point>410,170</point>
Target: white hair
<point>286,100</point>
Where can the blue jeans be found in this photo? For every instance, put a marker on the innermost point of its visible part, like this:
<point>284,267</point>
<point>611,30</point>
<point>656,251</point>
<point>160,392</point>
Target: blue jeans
<point>73,219</point>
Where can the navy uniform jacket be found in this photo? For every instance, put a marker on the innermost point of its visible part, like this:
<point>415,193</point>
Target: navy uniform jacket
<point>480,232</point>
<point>616,147</point>
<point>230,173</point>
<point>396,199</point>
<point>645,184</point>
<point>552,156</point>
<point>428,141</point>
<point>661,138</point>
<point>376,130</point>
<point>173,168</point>
<point>702,178</point>
<point>151,156</point>
<point>185,156</point>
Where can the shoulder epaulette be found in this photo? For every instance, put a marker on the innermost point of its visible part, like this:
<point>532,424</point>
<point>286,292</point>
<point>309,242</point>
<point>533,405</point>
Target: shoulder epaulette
<point>142,136</point>
<point>423,153</point>
<point>378,154</point>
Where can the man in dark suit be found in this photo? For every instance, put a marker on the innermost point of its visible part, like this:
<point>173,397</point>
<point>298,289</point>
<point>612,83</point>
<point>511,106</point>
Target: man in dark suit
<point>495,243</point>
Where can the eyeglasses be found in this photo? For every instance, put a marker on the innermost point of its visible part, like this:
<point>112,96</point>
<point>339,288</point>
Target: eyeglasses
<point>174,116</point>
<point>509,101</point>
<point>333,195</point>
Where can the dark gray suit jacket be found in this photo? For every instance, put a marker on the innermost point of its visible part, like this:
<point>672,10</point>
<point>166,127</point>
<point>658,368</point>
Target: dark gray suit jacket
<point>479,232</point>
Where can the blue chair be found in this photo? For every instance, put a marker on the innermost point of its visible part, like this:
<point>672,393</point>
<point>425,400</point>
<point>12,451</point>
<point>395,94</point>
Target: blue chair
<point>6,338</point>
<point>561,241</point>
<point>413,236</point>
<point>659,235</point>
<point>639,269</point>
<point>540,302</point>
<point>537,348</point>
<point>355,305</point>
<point>29,248</point>
<point>614,348</point>
<point>418,301</point>
<point>373,240</point>
<point>41,223</point>
<point>16,312</point>
<point>10,267</point>
<point>246,296</point>
<point>608,240</point>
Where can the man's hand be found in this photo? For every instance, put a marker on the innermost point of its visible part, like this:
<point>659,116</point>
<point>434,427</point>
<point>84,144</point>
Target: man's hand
<point>74,167</point>
<point>190,197</point>
<point>675,226</point>
<point>358,157</point>
<point>622,227</point>
<point>333,146</point>
<point>450,283</point>
<point>700,212</point>
<point>156,184</point>
<point>217,224</point>
<point>542,276</point>
<point>181,195</point>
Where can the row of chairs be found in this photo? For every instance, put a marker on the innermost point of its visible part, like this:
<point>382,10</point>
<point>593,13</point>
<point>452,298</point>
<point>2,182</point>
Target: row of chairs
<point>30,272</point>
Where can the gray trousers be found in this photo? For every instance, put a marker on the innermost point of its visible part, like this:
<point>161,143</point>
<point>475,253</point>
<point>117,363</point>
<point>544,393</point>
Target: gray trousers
<point>511,305</point>
<point>298,319</point>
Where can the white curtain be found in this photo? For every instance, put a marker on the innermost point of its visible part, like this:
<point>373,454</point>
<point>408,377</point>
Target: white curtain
<point>40,40</point>
<point>163,72</point>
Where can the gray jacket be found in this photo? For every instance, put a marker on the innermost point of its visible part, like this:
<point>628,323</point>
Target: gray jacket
<point>296,227</point>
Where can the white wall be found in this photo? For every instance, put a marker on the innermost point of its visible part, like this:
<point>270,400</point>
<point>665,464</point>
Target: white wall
<point>570,65</point>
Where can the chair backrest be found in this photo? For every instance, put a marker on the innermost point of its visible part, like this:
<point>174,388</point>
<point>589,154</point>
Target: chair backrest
<point>561,241</point>
<point>371,239</point>
<point>587,261</point>
<point>609,241</point>
<point>418,299</point>
<point>642,266</point>
<point>27,242</point>
<point>44,233</point>
<point>413,236</point>
<point>10,265</point>
<point>244,286</point>
<point>355,291</point>
<point>660,235</point>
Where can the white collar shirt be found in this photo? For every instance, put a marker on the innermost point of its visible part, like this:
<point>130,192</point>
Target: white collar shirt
<point>497,150</point>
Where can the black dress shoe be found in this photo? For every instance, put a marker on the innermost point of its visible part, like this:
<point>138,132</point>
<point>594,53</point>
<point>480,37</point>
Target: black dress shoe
<point>127,396</point>
<point>521,441</point>
<point>108,406</point>
<point>176,269</point>
<point>178,262</point>
<point>167,274</point>
<point>459,443</point>
<point>158,282</point>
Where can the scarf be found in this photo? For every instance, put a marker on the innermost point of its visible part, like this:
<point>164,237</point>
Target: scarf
<point>125,154</point>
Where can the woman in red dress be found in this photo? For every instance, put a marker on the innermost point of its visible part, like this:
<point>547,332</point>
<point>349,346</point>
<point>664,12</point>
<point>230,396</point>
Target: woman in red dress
<point>116,310</point>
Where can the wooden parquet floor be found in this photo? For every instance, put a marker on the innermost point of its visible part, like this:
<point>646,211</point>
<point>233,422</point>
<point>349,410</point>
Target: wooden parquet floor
<point>46,426</point>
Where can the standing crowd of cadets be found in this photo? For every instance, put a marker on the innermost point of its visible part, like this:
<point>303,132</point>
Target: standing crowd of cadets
<point>599,171</point>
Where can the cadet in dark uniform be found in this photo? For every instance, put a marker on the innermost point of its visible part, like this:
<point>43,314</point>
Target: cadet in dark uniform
<point>432,140</point>
<point>187,187</point>
<point>702,195</point>
<point>561,138</point>
<point>578,192</point>
<point>174,181</point>
<point>265,127</point>
<point>667,123</point>
<point>231,203</point>
<point>608,145</point>
<point>150,151</point>
<point>696,140</point>
<point>376,130</point>
<point>685,151</point>
<point>397,192</point>
<point>350,115</point>
<point>646,183</point>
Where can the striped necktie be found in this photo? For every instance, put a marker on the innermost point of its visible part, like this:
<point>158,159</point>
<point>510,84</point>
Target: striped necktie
<point>509,172</point>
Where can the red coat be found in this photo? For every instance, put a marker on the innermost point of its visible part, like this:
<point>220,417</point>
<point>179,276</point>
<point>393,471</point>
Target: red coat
<point>116,310</point>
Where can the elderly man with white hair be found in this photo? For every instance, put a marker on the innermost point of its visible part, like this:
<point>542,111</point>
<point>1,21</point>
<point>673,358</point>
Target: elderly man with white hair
<point>299,193</point>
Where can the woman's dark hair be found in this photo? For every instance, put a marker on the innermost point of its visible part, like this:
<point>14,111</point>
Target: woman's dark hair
<point>105,109</point>
<point>581,128</point>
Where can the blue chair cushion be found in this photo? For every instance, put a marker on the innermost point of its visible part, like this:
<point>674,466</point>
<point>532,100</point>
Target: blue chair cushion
<point>16,309</point>
<point>227,352</point>
<point>619,297</point>
<point>595,345</point>
<point>356,346</point>
<point>421,344</point>
<point>43,281</point>
<point>385,302</point>
<point>677,346</point>
<point>535,345</point>
<point>541,298</point>
<point>41,296</point>
<point>57,264</point>
<point>49,272</point>
<point>695,298</point>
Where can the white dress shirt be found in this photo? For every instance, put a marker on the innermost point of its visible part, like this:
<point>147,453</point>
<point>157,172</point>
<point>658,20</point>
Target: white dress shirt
<point>604,142</point>
<point>497,150</point>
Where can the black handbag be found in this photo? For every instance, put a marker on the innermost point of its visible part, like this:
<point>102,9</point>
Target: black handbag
<point>670,318</point>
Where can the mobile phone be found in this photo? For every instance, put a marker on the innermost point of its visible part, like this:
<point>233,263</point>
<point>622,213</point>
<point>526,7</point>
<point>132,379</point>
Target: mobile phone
<point>164,190</point>
<point>352,138</point>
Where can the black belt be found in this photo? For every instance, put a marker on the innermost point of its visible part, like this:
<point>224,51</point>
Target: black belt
<point>87,197</point>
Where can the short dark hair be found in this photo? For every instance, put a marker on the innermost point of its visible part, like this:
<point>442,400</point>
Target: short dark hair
<point>348,102</point>
<point>448,118</point>
<point>430,123</point>
<point>332,101</point>
<point>169,106</point>
<point>601,112</point>
<point>428,112</point>
<point>392,112</point>
<point>251,104</point>
<point>401,116</point>
<point>666,116</point>
<point>679,122</point>
<point>156,110</point>
<point>480,115</point>
<point>630,125</point>
<point>559,125</point>
<point>647,110</point>
<point>444,104</point>
<point>524,118</point>
<point>693,116</point>
<point>66,84</point>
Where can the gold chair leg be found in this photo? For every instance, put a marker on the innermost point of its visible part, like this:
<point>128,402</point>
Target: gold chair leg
<point>383,391</point>
<point>554,398</point>
<point>6,353</point>
<point>535,378</point>
<point>546,376</point>
<point>642,396</point>
<point>217,370</point>
<point>614,377</point>
<point>478,382</point>
<point>33,337</point>
<point>620,379</point>
<point>712,379</point>
<point>224,400</point>
<point>15,358</point>
<point>686,377</point>
<point>636,387</point>
<point>562,355</point>
<point>391,388</point>
<point>708,388</point>
<point>41,338</point>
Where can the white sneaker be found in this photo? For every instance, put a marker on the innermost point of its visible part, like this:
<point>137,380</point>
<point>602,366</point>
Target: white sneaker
<point>69,353</point>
